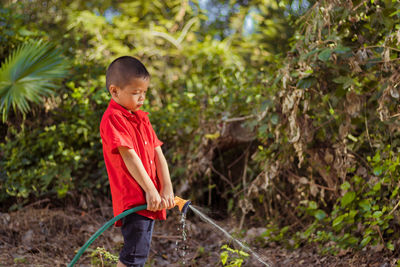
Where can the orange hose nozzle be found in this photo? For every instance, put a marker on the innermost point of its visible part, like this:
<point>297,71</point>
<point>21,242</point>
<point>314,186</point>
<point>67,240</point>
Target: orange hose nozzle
<point>182,204</point>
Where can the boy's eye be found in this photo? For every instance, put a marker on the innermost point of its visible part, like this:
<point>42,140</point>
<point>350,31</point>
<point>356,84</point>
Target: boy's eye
<point>139,92</point>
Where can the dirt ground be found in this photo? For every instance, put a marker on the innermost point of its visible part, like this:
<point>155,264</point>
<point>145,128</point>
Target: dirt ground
<point>51,237</point>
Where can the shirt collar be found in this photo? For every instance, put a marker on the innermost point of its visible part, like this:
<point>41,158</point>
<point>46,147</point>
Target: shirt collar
<point>135,116</point>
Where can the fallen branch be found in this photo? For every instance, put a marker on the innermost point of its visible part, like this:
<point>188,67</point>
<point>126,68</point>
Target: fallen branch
<point>169,237</point>
<point>222,176</point>
<point>395,207</point>
<point>37,203</point>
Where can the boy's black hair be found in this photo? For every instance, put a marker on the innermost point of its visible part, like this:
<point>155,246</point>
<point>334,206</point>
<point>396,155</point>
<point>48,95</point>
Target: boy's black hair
<point>123,69</point>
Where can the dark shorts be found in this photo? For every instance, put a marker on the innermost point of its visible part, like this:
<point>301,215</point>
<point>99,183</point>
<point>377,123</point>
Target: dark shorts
<point>137,231</point>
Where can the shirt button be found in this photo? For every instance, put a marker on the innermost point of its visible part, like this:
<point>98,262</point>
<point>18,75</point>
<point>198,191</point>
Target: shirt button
<point>151,162</point>
<point>145,142</point>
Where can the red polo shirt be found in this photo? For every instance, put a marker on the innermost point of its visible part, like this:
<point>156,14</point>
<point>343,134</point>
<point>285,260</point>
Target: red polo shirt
<point>119,127</point>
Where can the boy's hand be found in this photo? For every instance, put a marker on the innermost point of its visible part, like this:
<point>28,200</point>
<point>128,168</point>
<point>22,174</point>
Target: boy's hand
<point>153,200</point>
<point>167,196</point>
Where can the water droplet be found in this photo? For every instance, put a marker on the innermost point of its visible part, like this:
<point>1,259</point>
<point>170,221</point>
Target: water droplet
<point>184,238</point>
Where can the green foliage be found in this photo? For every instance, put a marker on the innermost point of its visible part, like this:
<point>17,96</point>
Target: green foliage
<point>8,30</point>
<point>319,85</point>
<point>59,157</point>
<point>335,105</point>
<point>365,214</point>
<point>27,75</point>
<point>275,233</point>
<point>55,159</point>
<point>366,211</point>
<point>232,257</point>
<point>60,152</point>
<point>196,80</point>
<point>20,260</point>
<point>100,256</point>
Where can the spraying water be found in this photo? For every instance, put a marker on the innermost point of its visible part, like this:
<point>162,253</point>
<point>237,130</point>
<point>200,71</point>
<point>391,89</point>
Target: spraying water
<point>184,237</point>
<point>243,246</point>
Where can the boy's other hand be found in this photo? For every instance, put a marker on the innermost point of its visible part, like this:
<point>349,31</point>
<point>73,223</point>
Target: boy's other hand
<point>153,200</point>
<point>167,196</point>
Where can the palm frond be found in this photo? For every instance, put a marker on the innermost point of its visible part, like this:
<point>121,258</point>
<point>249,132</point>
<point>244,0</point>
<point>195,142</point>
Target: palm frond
<point>29,74</point>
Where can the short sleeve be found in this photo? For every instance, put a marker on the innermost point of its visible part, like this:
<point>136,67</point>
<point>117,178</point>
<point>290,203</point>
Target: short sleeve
<point>115,134</point>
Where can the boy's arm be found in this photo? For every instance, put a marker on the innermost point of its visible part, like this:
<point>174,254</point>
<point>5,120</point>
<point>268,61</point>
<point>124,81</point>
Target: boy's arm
<point>138,172</point>
<point>167,193</point>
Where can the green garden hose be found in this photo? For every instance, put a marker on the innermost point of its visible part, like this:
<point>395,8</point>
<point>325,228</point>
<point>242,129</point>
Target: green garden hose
<point>181,203</point>
<point>102,229</point>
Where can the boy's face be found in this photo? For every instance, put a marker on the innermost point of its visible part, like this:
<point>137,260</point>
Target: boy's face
<point>132,95</point>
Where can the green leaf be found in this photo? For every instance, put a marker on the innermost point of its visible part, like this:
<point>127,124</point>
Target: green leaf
<point>394,193</point>
<point>224,257</point>
<point>338,220</point>
<point>395,13</point>
<point>365,241</point>
<point>352,137</point>
<point>390,245</point>
<point>306,82</point>
<point>341,79</point>
<point>244,254</point>
<point>310,53</point>
<point>346,81</point>
<point>347,198</point>
<point>377,187</point>
<point>377,214</point>
<point>230,204</point>
<point>266,104</point>
<point>345,186</point>
<point>325,55</point>
<point>312,205</point>
<point>274,119</point>
<point>378,170</point>
<point>365,204</point>
<point>320,215</point>
<point>28,74</point>
<point>212,136</point>
<point>341,49</point>
<point>352,240</point>
<point>377,157</point>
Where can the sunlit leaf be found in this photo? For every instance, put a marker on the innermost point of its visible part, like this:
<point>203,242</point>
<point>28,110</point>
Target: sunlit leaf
<point>28,74</point>
<point>348,198</point>
<point>365,241</point>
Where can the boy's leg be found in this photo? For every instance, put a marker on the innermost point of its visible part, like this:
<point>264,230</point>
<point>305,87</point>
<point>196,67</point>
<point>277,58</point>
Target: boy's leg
<point>137,231</point>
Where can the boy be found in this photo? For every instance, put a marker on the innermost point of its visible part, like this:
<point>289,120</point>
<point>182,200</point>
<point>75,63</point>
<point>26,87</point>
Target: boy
<point>136,166</point>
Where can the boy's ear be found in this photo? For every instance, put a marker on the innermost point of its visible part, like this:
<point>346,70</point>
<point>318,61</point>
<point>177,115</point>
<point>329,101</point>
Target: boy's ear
<point>113,90</point>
